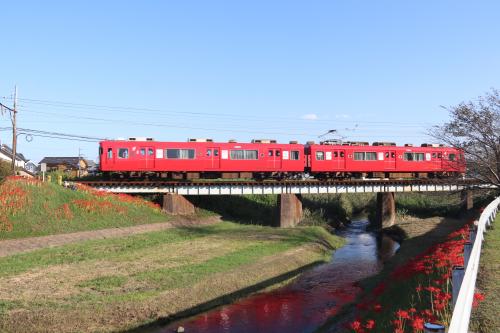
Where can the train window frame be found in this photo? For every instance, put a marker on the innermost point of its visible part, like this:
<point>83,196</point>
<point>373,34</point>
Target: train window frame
<point>151,152</point>
<point>216,152</point>
<point>386,154</point>
<point>277,153</point>
<point>320,155</point>
<point>123,153</point>
<point>270,153</point>
<point>342,154</point>
<point>358,156</point>
<point>393,155</point>
<point>110,153</point>
<point>370,156</point>
<point>336,154</point>
<point>209,152</point>
<point>407,156</point>
<point>452,157</point>
<point>142,152</point>
<point>415,157</point>
<point>440,155</point>
<point>434,155</point>
<point>295,155</point>
<point>182,153</point>
<point>243,154</point>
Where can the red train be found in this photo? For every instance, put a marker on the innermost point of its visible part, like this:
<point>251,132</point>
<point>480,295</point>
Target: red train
<point>261,159</point>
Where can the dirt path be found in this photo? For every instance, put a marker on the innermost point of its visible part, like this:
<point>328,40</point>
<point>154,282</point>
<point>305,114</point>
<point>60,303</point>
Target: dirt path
<point>14,246</point>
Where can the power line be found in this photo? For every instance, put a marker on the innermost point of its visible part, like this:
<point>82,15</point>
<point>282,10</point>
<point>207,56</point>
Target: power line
<point>135,110</point>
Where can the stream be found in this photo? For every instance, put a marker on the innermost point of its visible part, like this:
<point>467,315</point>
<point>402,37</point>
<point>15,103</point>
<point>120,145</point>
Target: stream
<point>309,300</point>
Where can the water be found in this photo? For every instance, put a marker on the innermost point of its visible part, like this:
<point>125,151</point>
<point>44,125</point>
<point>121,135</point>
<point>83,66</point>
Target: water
<point>306,303</point>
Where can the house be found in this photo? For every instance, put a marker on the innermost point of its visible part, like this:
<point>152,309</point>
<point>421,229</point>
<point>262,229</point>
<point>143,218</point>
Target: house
<point>73,166</point>
<point>6,155</point>
<point>31,167</point>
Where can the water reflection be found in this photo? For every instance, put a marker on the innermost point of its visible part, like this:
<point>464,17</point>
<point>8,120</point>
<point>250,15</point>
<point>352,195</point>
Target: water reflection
<point>309,300</point>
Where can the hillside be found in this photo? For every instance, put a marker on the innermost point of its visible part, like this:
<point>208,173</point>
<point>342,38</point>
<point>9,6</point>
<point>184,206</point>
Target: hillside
<point>29,207</point>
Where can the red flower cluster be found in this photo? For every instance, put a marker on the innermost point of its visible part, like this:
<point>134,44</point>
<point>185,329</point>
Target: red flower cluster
<point>431,272</point>
<point>13,198</point>
<point>121,197</point>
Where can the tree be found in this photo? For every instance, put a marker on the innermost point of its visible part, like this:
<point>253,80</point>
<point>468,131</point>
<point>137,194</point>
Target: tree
<point>475,128</point>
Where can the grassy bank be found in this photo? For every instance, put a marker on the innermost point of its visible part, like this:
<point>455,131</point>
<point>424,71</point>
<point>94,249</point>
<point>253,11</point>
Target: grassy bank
<point>394,287</point>
<point>116,284</point>
<point>32,208</point>
<point>485,318</point>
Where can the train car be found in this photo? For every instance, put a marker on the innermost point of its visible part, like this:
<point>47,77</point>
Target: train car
<point>383,160</point>
<point>201,158</point>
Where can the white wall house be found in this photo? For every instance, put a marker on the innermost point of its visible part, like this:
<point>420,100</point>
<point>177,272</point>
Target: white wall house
<point>6,155</point>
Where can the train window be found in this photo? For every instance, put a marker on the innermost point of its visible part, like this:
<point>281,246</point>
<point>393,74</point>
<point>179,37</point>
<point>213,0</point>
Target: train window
<point>358,156</point>
<point>122,152</point>
<point>278,153</point>
<point>320,156</point>
<point>371,156</point>
<point>216,152</point>
<point>143,151</point>
<point>151,152</point>
<point>183,154</point>
<point>408,156</point>
<point>335,154</point>
<point>244,154</point>
<point>110,152</point>
<point>341,154</point>
<point>393,155</point>
<point>451,157</point>
<point>386,155</point>
<point>434,155</point>
<point>440,156</point>
<point>294,155</point>
<point>270,153</point>
<point>209,152</point>
<point>414,156</point>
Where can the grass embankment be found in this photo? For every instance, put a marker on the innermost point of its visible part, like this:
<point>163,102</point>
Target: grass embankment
<point>32,208</point>
<point>394,288</point>
<point>116,284</point>
<point>486,317</point>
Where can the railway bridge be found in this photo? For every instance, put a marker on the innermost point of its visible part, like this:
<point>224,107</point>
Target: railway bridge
<point>289,192</point>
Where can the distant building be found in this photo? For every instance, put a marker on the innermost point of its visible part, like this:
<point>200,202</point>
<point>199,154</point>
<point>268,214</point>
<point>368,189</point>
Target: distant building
<point>73,166</point>
<point>6,155</point>
<point>31,167</point>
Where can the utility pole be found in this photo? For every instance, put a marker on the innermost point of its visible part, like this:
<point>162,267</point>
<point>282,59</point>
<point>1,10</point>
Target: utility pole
<point>14,132</point>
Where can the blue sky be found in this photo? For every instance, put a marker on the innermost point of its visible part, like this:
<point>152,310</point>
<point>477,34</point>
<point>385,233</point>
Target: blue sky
<point>289,70</point>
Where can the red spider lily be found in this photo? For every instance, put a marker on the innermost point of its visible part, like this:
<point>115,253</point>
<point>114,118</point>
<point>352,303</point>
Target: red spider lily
<point>370,324</point>
<point>417,324</point>
<point>478,298</point>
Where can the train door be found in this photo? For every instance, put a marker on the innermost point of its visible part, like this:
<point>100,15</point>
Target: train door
<point>212,158</point>
<point>390,160</point>
<point>110,156</point>
<point>274,158</point>
<point>146,158</point>
<point>338,159</point>
<point>436,160</point>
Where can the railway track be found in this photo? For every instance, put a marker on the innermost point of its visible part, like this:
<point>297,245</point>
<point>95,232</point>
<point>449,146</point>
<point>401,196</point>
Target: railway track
<point>357,182</point>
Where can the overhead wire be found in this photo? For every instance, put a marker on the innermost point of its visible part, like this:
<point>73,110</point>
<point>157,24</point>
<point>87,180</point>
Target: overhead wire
<point>135,110</point>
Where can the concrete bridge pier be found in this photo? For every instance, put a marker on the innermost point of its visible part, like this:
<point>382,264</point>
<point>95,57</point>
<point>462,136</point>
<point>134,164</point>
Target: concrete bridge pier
<point>290,208</point>
<point>386,209</point>
<point>467,200</point>
<point>176,204</point>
